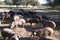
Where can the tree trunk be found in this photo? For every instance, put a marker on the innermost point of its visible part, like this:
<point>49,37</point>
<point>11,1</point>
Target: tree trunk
<point>16,6</point>
<point>10,6</point>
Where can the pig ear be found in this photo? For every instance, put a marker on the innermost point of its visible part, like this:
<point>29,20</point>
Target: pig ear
<point>49,29</point>
<point>16,17</point>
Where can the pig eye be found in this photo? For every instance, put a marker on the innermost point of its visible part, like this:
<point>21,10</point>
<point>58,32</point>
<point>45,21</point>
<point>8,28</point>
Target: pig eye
<point>34,33</point>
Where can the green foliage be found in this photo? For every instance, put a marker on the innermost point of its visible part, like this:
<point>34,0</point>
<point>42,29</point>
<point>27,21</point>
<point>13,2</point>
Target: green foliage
<point>56,2</point>
<point>17,2</point>
<point>14,2</point>
<point>21,2</point>
<point>1,3</point>
<point>8,2</point>
<point>32,2</point>
<point>52,4</point>
<point>49,3</point>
